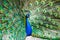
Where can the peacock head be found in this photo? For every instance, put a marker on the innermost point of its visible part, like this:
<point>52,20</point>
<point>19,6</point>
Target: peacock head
<point>27,15</point>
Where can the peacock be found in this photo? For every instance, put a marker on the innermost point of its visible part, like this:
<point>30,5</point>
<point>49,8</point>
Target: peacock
<point>44,19</point>
<point>28,26</point>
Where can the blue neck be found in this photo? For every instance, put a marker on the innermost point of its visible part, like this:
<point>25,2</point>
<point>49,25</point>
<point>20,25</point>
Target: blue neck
<point>28,28</point>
